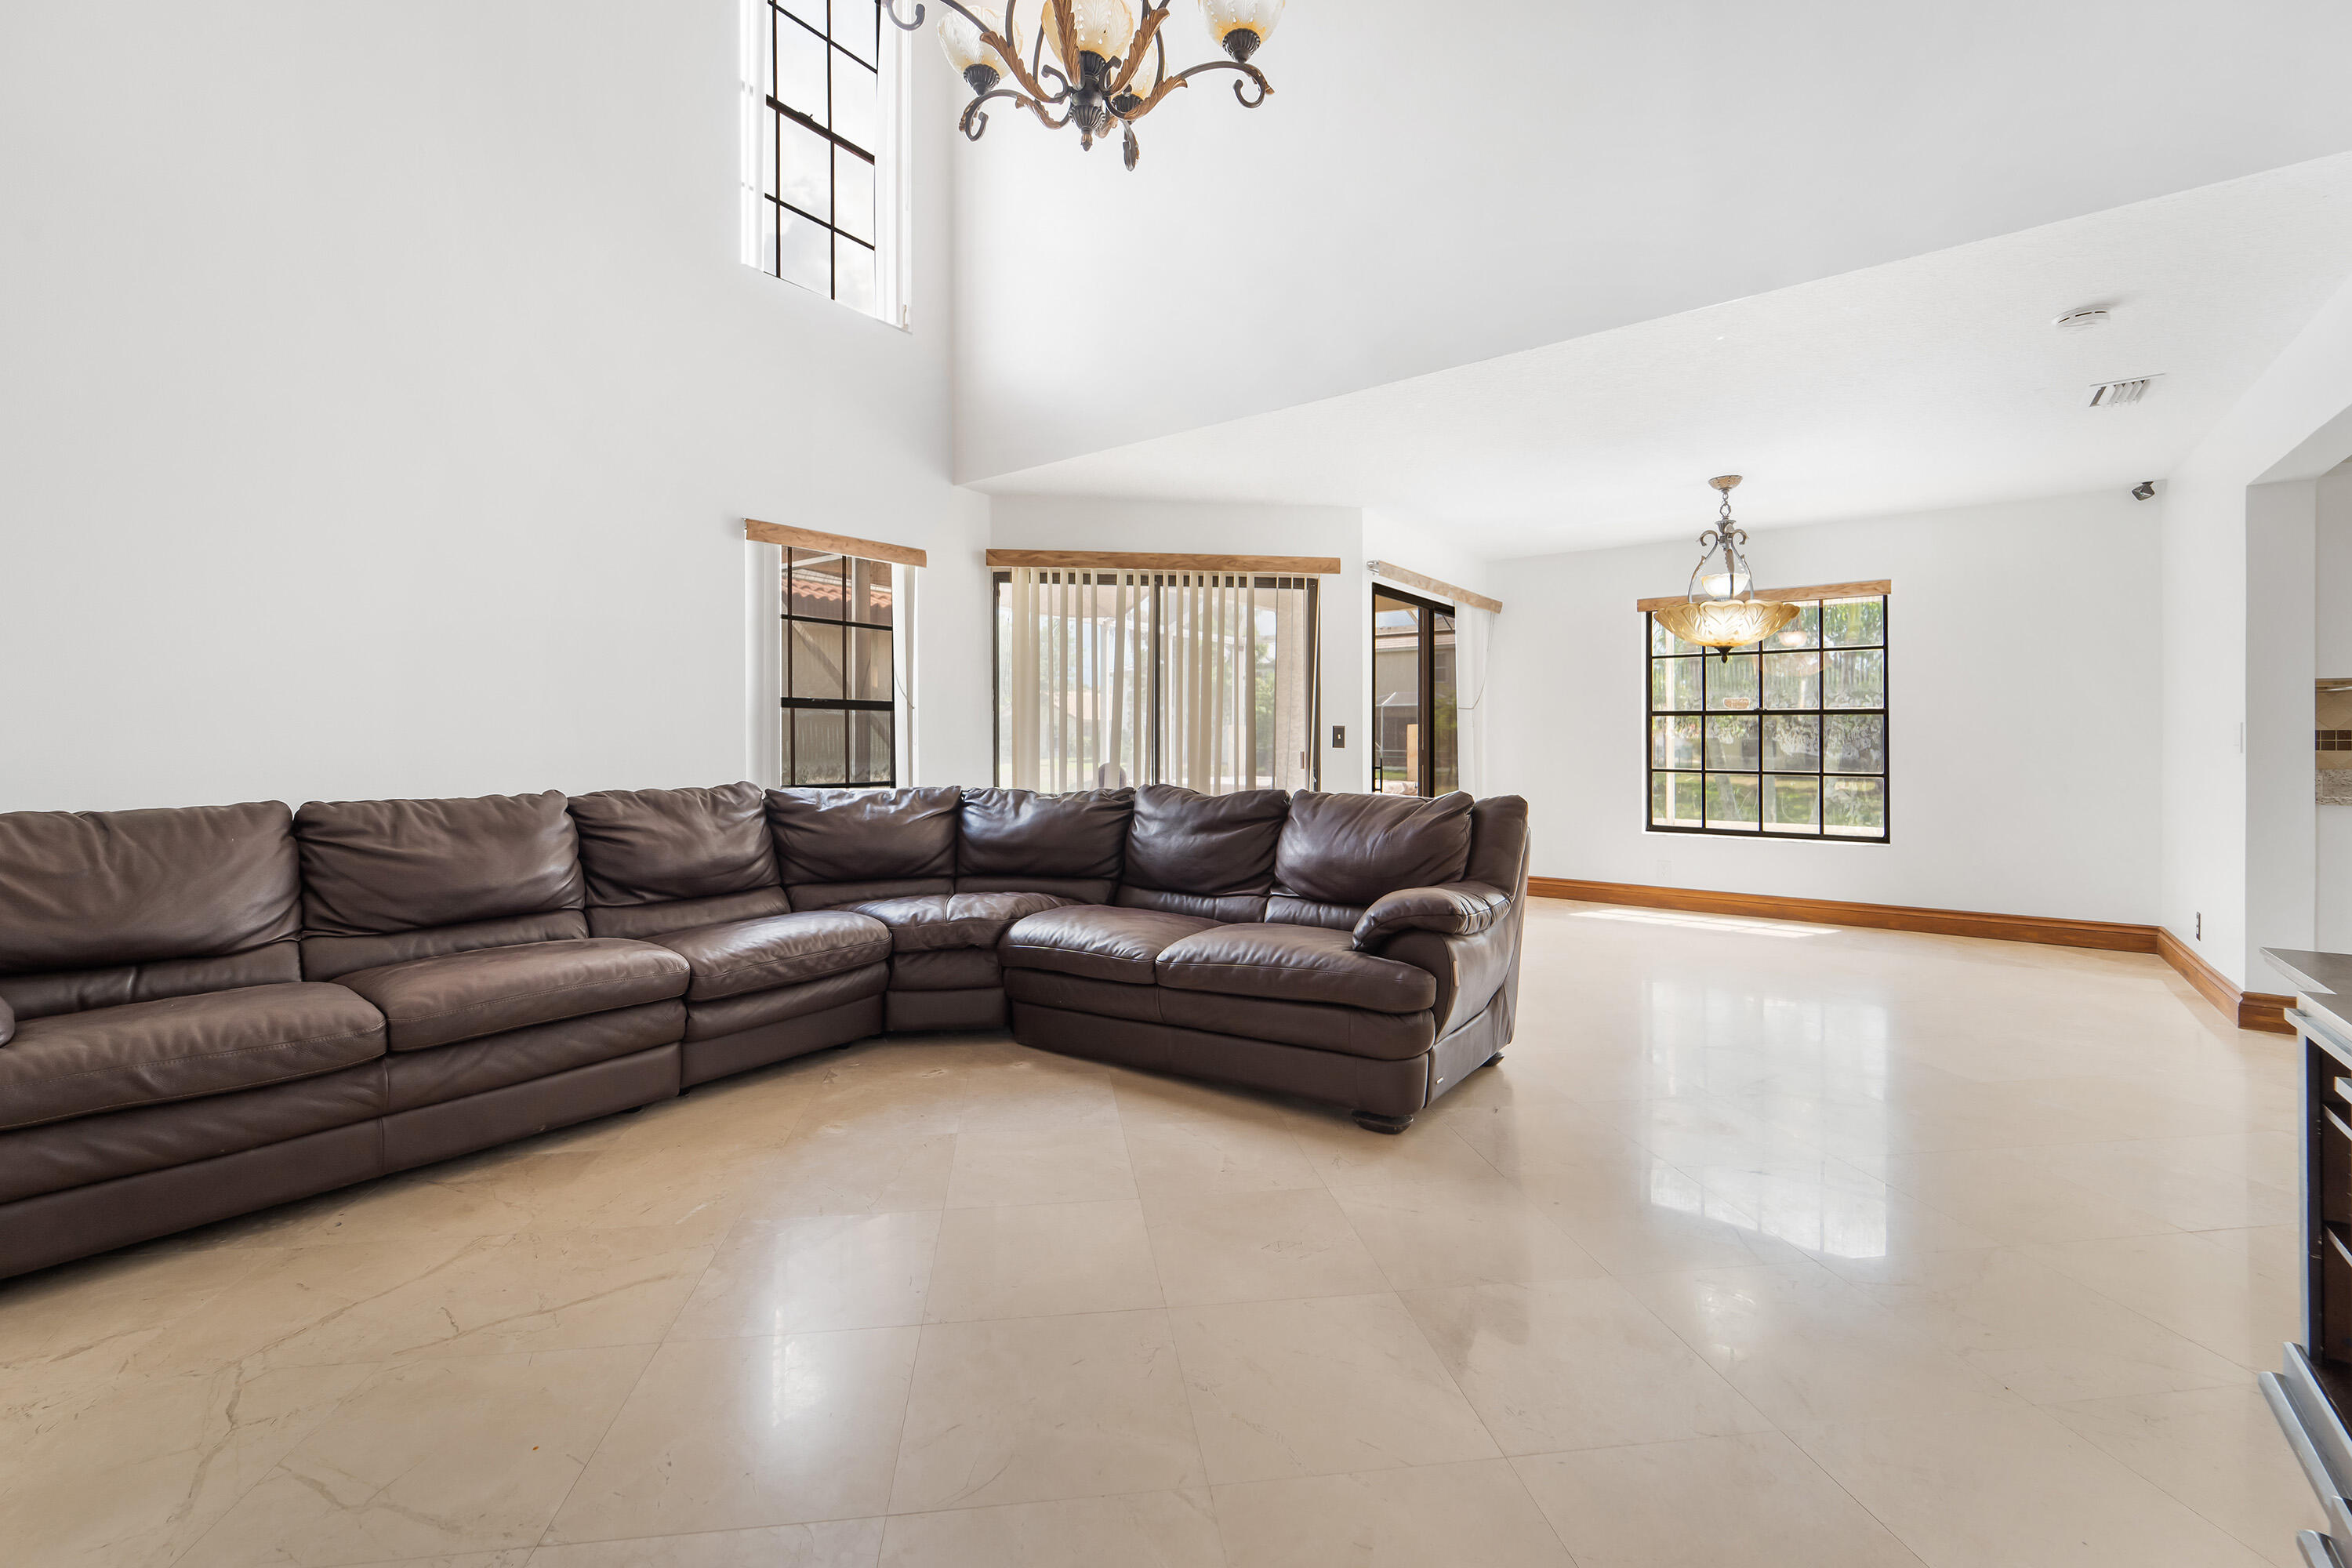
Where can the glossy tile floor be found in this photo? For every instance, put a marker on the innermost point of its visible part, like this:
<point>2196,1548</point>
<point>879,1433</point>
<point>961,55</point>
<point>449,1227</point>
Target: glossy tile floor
<point>1765,1244</point>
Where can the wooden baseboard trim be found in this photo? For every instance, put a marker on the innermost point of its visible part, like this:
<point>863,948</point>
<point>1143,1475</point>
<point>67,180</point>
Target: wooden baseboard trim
<point>2247,1009</point>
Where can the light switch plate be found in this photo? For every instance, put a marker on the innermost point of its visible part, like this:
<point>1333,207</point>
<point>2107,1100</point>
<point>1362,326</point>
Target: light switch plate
<point>1338,737</point>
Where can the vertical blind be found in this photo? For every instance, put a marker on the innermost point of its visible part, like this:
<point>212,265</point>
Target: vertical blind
<point>1204,680</point>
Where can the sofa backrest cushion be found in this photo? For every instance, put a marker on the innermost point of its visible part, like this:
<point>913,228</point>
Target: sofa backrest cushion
<point>859,839</point>
<point>100,907</point>
<point>1204,846</point>
<point>1498,843</point>
<point>1341,852</point>
<point>1018,841</point>
<point>655,846</point>
<point>501,868</point>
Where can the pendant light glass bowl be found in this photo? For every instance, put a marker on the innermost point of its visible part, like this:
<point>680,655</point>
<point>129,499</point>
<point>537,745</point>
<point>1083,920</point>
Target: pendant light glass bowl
<point>1718,611</point>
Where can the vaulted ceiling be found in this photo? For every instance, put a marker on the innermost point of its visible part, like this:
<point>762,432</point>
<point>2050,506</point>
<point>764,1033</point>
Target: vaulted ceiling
<point>1525,265</point>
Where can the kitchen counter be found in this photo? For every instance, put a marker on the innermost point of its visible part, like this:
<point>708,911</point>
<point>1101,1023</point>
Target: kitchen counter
<point>2324,980</point>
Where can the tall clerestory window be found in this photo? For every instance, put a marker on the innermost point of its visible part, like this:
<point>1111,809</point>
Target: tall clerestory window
<point>825,148</point>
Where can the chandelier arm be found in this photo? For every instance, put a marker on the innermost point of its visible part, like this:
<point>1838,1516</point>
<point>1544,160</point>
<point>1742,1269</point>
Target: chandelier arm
<point>1002,46</point>
<point>975,118</point>
<point>890,8</point>
<point>1139,45</point>
<point>1183,79</point>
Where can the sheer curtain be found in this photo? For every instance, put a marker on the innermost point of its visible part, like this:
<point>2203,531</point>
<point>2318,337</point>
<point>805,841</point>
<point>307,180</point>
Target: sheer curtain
<point>1204,680</point>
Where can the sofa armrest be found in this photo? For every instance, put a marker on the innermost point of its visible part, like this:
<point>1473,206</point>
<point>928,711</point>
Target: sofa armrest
<point>7,1023</point>
<point>1457,908</point>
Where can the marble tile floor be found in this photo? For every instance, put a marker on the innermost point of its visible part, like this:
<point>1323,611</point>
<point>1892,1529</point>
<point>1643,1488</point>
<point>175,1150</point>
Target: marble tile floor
<point>1760,1249</point>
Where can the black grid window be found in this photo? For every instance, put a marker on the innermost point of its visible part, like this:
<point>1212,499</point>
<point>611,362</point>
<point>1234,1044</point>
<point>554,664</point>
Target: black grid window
<point>823,129</point>
<point>840,727</point>
<point>1786,739</point>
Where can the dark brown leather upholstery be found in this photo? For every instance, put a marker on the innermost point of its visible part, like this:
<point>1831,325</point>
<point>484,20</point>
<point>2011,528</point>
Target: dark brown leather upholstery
<point>431,1001</point>
<point>758,1009</point>
<point>168,1056</point>
<point>63,1154</point>
<point>375,866</point>
<point>954,919</point>
<point>414,1079</point>
<point>1352,849</point>
<point>946,969</point>
<point>1298,963</point>
<point>1097,943</point>
<point>1203,855</point>
<point>332,957</point>
<point>1457,908</point>
<point>780,950</point>
<point>388,881</point>
<point>662,846</point>
<point>701,1060</point>
<point>83,1064</point>
<point>137,906</point>
<point>1016,840</point>
<point>863,836</point>
<point>455,1127</point>
<point>646,921</point>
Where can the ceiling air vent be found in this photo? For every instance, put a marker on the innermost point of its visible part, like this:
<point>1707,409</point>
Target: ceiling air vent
<point>2112,393</point>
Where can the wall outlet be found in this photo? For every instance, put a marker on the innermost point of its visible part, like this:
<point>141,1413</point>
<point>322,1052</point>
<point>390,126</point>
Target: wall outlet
<point>2200,925</point>
<point>1338,737</point>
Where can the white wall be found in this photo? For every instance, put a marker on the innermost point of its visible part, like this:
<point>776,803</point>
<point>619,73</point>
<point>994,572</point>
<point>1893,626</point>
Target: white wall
<point>2022,734</point>
<point>382,396</point>
<point>2282,822</point>
<point>1433,185</point>
<point>2331,583</point>
<point>2294,423</point>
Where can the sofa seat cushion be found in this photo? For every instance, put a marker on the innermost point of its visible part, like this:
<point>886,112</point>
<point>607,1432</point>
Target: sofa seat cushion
<point>932,921</point>
<point>1295,964</point>
<point>741,957</point>
<point>147,1052</point>
<point>1097,943</point>
<point>464,995</point>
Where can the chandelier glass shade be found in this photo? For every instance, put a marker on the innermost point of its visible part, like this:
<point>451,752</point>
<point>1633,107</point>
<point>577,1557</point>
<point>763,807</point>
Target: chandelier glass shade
<point>1719,609</point>
<point>1108,67</point>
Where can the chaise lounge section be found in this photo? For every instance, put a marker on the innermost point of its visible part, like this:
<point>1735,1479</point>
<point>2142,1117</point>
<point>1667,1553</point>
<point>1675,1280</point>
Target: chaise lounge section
<point>208,1011</point>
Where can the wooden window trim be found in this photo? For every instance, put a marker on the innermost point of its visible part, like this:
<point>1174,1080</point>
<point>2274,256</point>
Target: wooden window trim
<point>1101,561</point>
<point>1437,586</point>
<point>832,544</point>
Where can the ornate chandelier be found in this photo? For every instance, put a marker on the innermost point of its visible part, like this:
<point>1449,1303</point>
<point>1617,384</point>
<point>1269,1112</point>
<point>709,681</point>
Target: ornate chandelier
<point>1100,80</point>
<point>1720,609</point>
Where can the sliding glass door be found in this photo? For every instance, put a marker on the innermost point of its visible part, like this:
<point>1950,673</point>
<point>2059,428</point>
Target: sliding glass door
<point>1414,734</point>
<point>1110,679</point>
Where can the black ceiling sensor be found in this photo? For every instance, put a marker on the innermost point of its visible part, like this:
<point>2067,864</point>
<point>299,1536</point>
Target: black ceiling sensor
<point>2144,490</point>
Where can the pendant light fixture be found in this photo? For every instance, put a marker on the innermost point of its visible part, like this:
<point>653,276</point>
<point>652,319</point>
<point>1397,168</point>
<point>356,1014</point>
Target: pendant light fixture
<point>1719,609</point>
<point>1097,78</point>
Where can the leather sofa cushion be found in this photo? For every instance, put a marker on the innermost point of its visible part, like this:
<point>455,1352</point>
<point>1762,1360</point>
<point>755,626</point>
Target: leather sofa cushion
<point>954,919</point>
<point>1020,833</point>
<point>63,1155</point>
<point>946,969</point>
<point>330,957</point>
<point>78,990</point>
<point>415,1079</point>
<point>375,866</point>
<point>1294,964</point>
<point>757,1009</point>
<point>1349,850</point>
<point>863,836</point>
<point>1097,944</point>
<point>80,1064</point>
<point>780,950</point>
<point>1208,845</point>
<point>647,920</point>
<point>1317,1026</point>
<point>464,995</point>
<point>80,890</point>
<point>648,845</point>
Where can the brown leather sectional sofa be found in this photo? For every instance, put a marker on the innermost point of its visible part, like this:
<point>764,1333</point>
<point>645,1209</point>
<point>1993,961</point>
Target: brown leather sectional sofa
<point>207,1011</point>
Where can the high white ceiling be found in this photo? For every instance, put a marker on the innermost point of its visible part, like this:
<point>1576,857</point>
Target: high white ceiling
<point>1933,381</point>
<point>1437,186</point>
